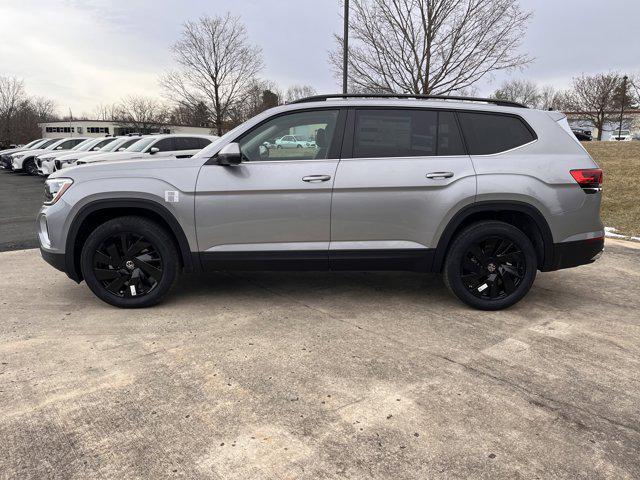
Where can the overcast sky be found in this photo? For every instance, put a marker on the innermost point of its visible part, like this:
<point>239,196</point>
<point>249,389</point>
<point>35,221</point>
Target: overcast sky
<point>85,52</point>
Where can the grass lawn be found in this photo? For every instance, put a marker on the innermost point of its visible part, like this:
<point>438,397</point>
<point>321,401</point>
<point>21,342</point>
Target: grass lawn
<point>620,162</point>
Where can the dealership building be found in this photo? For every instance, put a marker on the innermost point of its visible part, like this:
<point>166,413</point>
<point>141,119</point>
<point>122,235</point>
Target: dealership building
<point>102,128</point>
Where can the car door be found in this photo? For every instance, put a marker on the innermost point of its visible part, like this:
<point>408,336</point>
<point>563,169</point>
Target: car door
<point>272,210</point>
<point>408,171</point>
<point>166,148</point>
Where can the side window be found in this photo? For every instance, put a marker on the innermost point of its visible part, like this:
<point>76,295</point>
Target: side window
<point>190,143</point>
<point>164,145</point>
<point>266,142</point>
<point>395,133</point>
<point>69,144</point>
<point>449,136</point>
<point>488,133</point>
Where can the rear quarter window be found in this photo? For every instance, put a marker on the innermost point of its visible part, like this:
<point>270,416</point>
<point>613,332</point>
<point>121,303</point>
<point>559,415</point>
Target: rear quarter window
<point>488,133</point>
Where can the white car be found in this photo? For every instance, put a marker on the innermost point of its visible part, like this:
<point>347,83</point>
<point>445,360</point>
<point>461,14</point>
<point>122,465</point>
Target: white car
<point>158,146</point>
<point>27,160</point>
<point>5,155</point>
<point>294,141</point>
<point>621,136</point>
<point>46,161</point>
<point>119,144</point>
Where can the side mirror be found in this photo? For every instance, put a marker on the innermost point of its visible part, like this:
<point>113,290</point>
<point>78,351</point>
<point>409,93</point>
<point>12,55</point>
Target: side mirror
<point>154,150</point>
<point>229,155</point>
<point>59,148</point>
<point>95,149</point>
<point>121,149</point>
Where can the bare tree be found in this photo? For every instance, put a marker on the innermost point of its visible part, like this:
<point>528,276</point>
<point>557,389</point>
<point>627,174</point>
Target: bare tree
<point>260,96</point>
<point>141,114</point>
<point>12,95</point>
<point>296,92</point>
<point>430,46</point>
<point>217,66</point>
<point>521,91</point>
<point>596,98</point>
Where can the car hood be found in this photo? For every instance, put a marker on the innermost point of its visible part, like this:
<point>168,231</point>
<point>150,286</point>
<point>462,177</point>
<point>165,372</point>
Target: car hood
<point>147,167</point>
<point>114,156</point>
<point>35,152</point>
<point>9,151</point>
<point>78,155</point>
<point>52,155</point>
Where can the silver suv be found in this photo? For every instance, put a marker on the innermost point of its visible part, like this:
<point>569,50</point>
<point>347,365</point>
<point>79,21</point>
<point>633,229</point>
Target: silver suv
<point>485,192</point>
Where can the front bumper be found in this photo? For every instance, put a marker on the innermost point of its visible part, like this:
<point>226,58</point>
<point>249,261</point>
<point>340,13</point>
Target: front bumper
<point>56,260</point>
<point>574,254</point>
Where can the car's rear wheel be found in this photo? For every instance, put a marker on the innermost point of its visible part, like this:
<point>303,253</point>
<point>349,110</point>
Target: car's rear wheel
<point>130,262</point>
<point>30,167</point>
<point>491,265</point>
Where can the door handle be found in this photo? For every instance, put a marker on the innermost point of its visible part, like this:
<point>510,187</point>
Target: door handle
<point>316,178</point>
<point>439,175</point>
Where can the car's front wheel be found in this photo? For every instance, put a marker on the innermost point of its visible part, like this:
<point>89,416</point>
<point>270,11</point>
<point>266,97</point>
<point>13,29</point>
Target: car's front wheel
<point>130,262</point>
<point>491,265</point>
<point>30,167</point>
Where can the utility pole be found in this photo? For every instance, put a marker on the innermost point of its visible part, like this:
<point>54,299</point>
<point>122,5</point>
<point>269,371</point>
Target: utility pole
<point>624,99</point>
<point>345,46</point>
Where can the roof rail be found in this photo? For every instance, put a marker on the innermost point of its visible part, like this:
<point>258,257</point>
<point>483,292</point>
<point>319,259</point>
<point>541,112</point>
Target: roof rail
<point>495,101</point>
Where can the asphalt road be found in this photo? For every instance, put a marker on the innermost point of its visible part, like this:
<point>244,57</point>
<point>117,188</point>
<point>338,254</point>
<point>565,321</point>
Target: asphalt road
<point>321,375</point>
<point>20,201</point>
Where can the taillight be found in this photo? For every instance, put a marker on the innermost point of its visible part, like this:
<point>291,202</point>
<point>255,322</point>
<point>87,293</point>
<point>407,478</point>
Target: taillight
<point>590,180</point>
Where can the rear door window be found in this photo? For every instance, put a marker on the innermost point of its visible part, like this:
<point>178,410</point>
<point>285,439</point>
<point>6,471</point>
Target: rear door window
<point>488,133</point>
<point>385,133</point>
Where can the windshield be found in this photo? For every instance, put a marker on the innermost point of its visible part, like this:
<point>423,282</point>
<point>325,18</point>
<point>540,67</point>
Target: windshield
<point>48,143</point>
<point>39,144</point>
<point>622,132</point>
<point>121,143</point>
<point>82,146</point>
<point>31,144</point>
<point>141,144</point>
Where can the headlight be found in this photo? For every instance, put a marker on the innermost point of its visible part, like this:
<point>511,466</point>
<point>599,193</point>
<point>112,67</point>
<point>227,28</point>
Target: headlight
<point>54,188</point>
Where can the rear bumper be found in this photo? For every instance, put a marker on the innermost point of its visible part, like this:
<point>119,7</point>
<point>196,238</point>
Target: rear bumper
<point>574,254</point>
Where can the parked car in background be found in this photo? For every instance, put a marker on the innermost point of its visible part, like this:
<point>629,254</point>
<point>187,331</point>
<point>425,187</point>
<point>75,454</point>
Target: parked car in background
<point>41,145</point>
<point>486,192</point>
<point>621,136</point>
<point>46,162</point>
<point>5,161</point>
<point>582,134</point>
<point>26,161</point>
<point>156,146</point>
<point>119,144</point>
<point>294,141</point>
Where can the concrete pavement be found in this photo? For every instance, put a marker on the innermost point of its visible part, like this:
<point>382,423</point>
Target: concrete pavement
<point>321,375</point>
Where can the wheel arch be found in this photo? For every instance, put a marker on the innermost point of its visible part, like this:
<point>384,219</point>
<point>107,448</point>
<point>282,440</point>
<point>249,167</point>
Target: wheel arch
<point>99,211</point>
<point>522,215</point>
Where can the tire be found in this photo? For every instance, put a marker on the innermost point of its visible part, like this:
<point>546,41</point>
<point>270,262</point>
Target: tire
<point>139,278</point>
<point>298,146</point>
<point>490,265</point>
<point>29,167</point>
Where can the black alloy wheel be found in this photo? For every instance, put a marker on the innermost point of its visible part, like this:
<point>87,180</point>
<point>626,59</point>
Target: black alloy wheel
<point>490,265</point>
<point>493,268</point>
<point>130,262</point>
<point>30,167</point>
<point>127,265</point>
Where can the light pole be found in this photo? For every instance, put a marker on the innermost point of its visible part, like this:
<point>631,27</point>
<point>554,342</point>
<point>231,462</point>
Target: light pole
<point>624,99</point>
<point>345,46</point>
